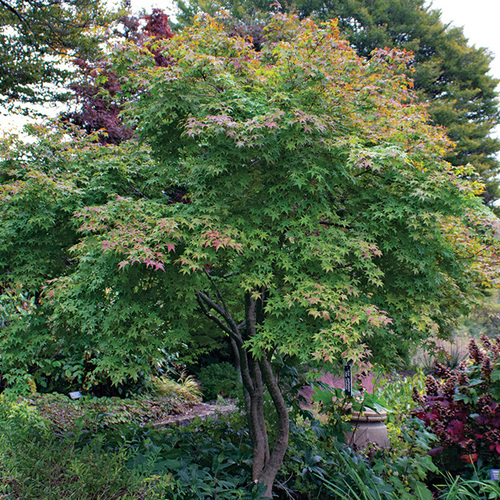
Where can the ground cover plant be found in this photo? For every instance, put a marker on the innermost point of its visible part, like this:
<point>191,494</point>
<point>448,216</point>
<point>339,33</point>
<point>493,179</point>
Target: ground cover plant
<point>91,413</point>
<point>364,243</point>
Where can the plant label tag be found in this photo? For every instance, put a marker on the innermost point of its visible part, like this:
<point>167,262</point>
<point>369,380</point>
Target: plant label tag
<point>494,474</point>
<point>75,395</point>
<point>348,379</point>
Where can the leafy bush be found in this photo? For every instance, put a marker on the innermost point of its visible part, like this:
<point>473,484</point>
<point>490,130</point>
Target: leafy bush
<point>407,464</point>
<point>220,378</point>
<point>461,406</point>
<point>395,393</point>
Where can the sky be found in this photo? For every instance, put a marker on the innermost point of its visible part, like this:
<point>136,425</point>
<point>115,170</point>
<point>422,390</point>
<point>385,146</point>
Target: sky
<point>480,21</point>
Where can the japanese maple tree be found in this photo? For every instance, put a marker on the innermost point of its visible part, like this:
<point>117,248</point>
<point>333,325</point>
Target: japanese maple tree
<point>322,221</point>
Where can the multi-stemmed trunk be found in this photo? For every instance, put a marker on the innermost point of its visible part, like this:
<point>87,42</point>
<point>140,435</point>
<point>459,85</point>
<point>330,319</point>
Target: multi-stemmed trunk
<point>257,375</point>
<point>266,462</point>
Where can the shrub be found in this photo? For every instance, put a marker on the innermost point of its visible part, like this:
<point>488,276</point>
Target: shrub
<point>406,465</point>
<point>220,378</point>
<point>461,406</point>
<point>395,393</point>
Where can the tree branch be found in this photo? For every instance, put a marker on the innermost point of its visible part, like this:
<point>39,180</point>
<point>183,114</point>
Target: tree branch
<point>214,318</point>
<point>217,291</point>
<point>14,11</point>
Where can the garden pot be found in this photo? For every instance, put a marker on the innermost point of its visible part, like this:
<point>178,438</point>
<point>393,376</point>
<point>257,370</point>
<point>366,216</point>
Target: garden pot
<point>368,428</point>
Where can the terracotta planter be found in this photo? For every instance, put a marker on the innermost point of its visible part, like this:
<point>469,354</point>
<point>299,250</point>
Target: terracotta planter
<point>368,428</point>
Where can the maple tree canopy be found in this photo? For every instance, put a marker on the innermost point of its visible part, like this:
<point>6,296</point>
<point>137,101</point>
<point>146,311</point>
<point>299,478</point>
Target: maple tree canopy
<point>313,176</point>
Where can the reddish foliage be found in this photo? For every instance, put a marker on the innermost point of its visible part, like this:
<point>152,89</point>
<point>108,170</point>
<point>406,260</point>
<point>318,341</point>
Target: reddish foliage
<point>461,406</point>
<point>100,104</point>
<point>157,30</point>
<point>99,93</point>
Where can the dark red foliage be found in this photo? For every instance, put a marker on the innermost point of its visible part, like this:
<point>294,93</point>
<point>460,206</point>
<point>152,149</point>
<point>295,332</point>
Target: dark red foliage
<point>158,30</point>
<point>157,25</point>
<point>99,91</point>
<point>100,104</point>
<point>462,407</point>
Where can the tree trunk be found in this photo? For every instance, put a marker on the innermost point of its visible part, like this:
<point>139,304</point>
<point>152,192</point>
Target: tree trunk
<point>265,463</point>
<point>256,373</point>
<point>257,423</point>
<point>281,444</point>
